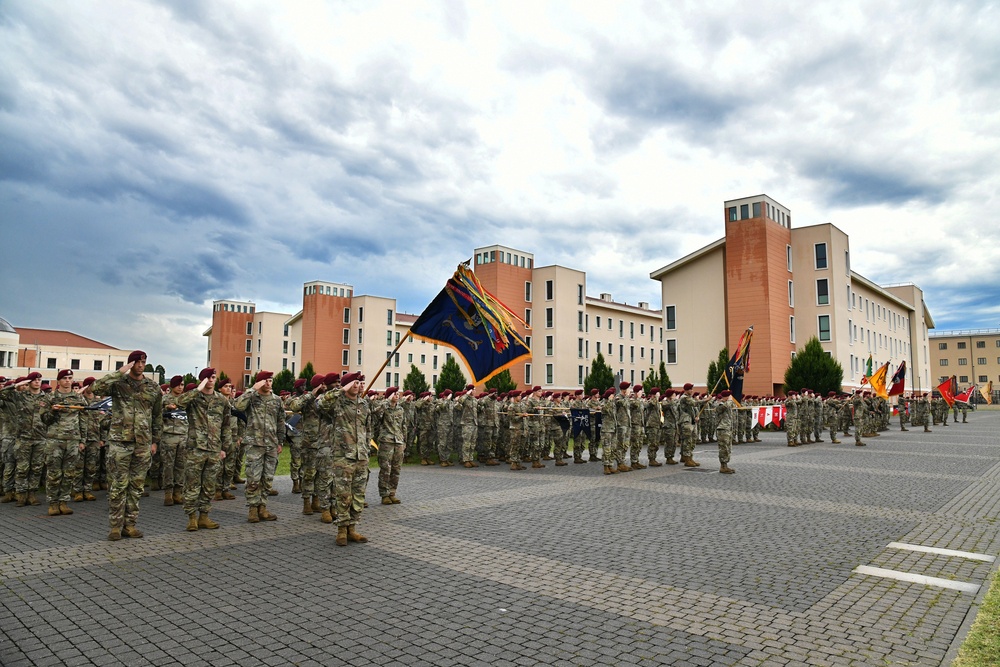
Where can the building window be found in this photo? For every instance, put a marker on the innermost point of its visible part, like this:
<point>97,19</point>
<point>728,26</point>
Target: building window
<point>981,361</point>
<point>74,364</point>
<point>631,330</point>
<point>609,324</point>
<point>548,373</point>
<point>527,291</point>
<point>732,213</point>
<point>388,338</point>
<point>579,320</point>
<point>791,328</point>
<point>359,357</point>
<point>824,327</point>
<point>980,344</point>
<point>249,328</point>
<point>671,318</point>
<point>788,257</point>
<point>963,362</point>
<point>983,378</point>
<point>549,290</point>
<point>50,363</point>
<point>347,336</point>
<point>284,363</point>
<point>527,374</point>
<point>744,211</point>
<point>527,316</point>
<point>791,293</point>
<point>631,354</point>
<point>823,292</point>
<point>249,345</point>
<point>598,320</point>
<point>963,379</point>
<point>961,345</point>
<point>98,365</point>
<point>549,318</point>
<point>347,315</point>
<point>284,347</point>
<point>942,346</point>
<point>621,328</point>
<point>943,362</point>
<point>548,346</point>
<point>579,295</point>
<point>621,354</point>
<point>119,364</point>
<point>847,262</point>
<point>423,359</point>
<point>361,314</point>
<point>756,209</point>
<point>820,255</point>
<point>579,375</point>
<point>361,336</point>
<point>246,364</point>
<point>388,319</point>
<point>671,351</point>
<point>434,362</point>
<point>579,348</point>
<point>598,347</point>
<point>344,359</point>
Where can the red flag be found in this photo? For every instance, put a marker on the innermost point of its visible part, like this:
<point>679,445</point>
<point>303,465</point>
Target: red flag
<point>898,380</point>
<point>966,395</point>
<point>946,393</point>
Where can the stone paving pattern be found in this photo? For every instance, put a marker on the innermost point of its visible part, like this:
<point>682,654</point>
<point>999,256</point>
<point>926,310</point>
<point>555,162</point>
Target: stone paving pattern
<point>561,566</point>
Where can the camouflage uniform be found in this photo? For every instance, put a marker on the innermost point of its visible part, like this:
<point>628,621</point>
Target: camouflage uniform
<point>209,417</point>
<point>229,467</point>
<point>518,433</point>
<point>620,409</point>
<point>668,434</point>
<point>264,434</point>
<point>90,458</point>
<point>423,417</point>
<point>29,440</point>
<point>294,446</point>
<point>467,421</point>
<point>8,431</point>
<point>687,414</point>
<point>67,435</point>
<point>489,426</point>
<point>390,434</point>
<point>725,418</point>
<point>443,411</point>
<point>136,425</point>
<point>173,446</point>
<point>652,427</point>
<point>637,429</point>
<point>860,417</point>
<point>903,406</point>
<point>351,431</point>
<point>792,420</point>
<point>831,412</point>
<point>309,427</point>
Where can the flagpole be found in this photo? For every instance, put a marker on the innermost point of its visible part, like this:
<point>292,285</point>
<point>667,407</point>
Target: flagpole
<point>389,358</point>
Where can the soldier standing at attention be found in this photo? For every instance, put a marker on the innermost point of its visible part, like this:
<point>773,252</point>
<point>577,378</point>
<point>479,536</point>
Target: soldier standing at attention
<point>173,444</point>
<point>305,405</point>
<point>136,425</point>
<point>208,415</point>
<point>860,414</point>
<point>467,420</point>
<point>227,469</point>
<point>390,429</point>
<point>352,429</point>
<point>264,435</point>
<point>67,435</point>
<point>25,398</point>
<point>687,417</point>
<point>423,416</point>
<point>87,464</point>
<point>725,420</point>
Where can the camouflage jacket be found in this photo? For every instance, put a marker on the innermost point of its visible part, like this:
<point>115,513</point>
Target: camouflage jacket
<point>208,418</point>
<point>687,410</point>
<point>65,424</point>
<point>27,410</point>
<point>265,419</point>
<point>390,423</point>
<point>136,407</point>
<point>305,405</point>
<point>724,414</point>
<point>174,418</point>
<point>351,425</point>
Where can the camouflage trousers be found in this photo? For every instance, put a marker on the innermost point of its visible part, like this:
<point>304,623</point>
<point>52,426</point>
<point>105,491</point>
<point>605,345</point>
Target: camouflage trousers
<point>201,472</point>
<point>307,473</point>
<point>229,466</point>
<point>791,430</point>
<point>128,463</point>
<point>618,447</point>
<point>8,462</point>
<point>638,439</point>
<point>581,442</point>
<point>172,450</point>
<point>323,484</point>
<point>517,441</point>
<point>29,456</point>
<point>668,437</point>
<point>426,441</point>
<point>261,462</point>
<point>654,437</point>
<point>443,432</point>
<point>87,466</point>
<point>390,461</point>
<point>860,425</point>
<point>468,441</point>
<point>61,457</point>
<point>155,472</point>
<point>562,442</point>
<point>349,481</point>
<point>725,437</point>
<point>295,464</point>
<point>687,437</point>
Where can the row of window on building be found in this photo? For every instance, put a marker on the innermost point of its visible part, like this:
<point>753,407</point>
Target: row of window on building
<point>961,345</point>
<point>490,256</point>
<point>963,361</point>
<point>743,212</point>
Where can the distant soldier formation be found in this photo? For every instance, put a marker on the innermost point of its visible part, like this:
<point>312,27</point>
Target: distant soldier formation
<point>194,441</point>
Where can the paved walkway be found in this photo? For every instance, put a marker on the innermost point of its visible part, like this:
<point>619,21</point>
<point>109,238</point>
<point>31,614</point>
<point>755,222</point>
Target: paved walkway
<point>562,566</point>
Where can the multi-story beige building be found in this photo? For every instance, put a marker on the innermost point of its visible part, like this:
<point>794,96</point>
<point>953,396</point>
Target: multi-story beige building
<point>23,350</point>
<point>340,331</point>
<point>790,284</point>
<point>972,356</point>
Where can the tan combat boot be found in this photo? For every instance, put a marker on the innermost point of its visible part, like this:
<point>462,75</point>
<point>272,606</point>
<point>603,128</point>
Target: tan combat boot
<point>394,499</point>
<point>726,470</point>
<point>64,508</point>
<point>205,522</point>
<point>22,499</point>
<point>671,461</point>
<point>622,467</point>
<point>178,496</point>
<point>32,500</point>
<point>655,464</point>
<point>254,515</point>
<point>608,470</point>
<point>115,535</point>
<point>327,516</point>
<point>689,462</point>
<point>296,487</point>
<point>54,509</point>
<point>228,496</point>
<point>638,466</point>
<point>307,507</point>
<point>315,504</point>
<point>78,497</point>
<point>131,531</point>
<point>192,522</point>
<point>217,496</point>
<point>387,500</point>
<point>342,536</point>
<point>7,497</point>
<point>265,515</point>
<point>168,498</point>
<point>355,536</point>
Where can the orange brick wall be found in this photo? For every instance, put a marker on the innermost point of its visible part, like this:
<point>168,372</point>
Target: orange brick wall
<point>506,283</point>
<point>229,351</point>
<point>757,294</point>
<point>323,332</point>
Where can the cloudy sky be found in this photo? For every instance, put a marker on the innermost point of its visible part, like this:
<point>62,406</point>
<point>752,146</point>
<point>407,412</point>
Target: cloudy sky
<point>155,156</point>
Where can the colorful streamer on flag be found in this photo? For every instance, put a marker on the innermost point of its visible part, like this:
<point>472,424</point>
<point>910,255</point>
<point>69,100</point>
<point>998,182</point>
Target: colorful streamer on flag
<point>898,380</point>
<point>739,365</point>
<point>877,380</point>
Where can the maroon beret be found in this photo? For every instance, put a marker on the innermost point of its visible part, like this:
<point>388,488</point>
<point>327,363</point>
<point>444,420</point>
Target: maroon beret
<point>136,356</point>
<point>64,373</point>
<point>264,375</point>
<point>206,373</point>
<point>724,393</point>
<point>165,386</point>
<point>425,394</point>
<point>301,382</point>
<point>688,386</point>
<point>390,391</point>
<point>654,390</point>
<point>331,379</point>
<point>34,375</point>
<point>348,378</point>
<point>176,381</point>
<point>189,386</point>
<point>317,380</point>
<point>624,385</point>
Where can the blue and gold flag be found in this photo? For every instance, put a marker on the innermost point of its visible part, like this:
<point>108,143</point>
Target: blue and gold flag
<point>473,322</point>
<point>738,366</point>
